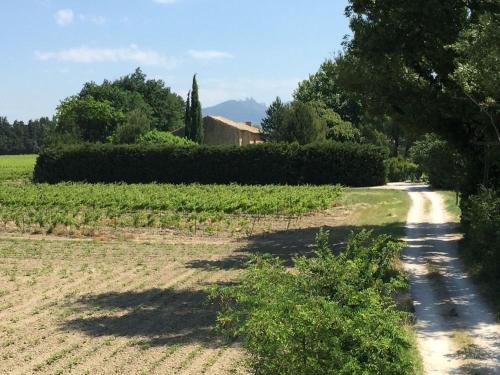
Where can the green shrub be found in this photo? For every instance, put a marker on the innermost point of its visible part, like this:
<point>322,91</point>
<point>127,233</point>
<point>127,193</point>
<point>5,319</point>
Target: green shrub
<point>439,161</point>
<point>317,164</point>
<point>156,137</point>
<point>334,315</point>
<point>401,169</point>
<point>481,224</point>
<point>136,124</point>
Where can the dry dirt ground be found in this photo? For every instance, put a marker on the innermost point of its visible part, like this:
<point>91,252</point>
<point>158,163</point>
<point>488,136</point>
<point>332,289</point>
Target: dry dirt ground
<point>85,307</point>
<point>137,305</point>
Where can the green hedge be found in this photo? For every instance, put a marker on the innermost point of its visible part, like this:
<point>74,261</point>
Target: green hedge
<point>325,163</point>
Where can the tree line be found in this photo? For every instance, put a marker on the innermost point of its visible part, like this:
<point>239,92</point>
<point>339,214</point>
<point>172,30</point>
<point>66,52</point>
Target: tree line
<point>24,138</point>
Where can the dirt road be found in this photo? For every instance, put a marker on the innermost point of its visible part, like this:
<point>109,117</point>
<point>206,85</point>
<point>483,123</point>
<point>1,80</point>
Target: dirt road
<point>457,332</point>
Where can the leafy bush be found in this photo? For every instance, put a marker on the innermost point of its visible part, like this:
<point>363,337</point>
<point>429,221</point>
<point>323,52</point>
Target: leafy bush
<point>438,160</point>
<point>334,315</point>
<point>401,169</point>
<point>325,163</point>
<point>156,137</point>
<point>481,224</point>
<point>136,124</point>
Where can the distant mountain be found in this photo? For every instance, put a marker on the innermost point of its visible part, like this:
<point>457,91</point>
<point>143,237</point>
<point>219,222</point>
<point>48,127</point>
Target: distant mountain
<point>238,110</point>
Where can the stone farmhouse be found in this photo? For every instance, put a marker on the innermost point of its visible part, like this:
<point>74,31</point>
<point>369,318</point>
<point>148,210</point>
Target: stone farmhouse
<point>222,131</point>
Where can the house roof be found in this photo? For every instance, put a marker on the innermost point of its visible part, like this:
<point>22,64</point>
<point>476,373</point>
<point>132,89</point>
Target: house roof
<point>237,125</point>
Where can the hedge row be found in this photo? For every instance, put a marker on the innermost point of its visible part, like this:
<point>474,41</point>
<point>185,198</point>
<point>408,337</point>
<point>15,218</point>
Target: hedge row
<point>326,163</point>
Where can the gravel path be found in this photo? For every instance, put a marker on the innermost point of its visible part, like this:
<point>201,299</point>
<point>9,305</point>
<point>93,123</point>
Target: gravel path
<point>457,333</point>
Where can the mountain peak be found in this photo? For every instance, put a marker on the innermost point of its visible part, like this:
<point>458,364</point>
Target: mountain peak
<point>239,110</point>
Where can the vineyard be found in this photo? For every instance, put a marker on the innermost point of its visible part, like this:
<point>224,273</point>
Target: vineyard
<point>83,303</point>
<point>77,208</point>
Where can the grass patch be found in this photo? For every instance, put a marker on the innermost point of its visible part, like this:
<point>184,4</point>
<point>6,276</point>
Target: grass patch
<point>452,205</point>
<point>383,211</point>
<point>16,167</point>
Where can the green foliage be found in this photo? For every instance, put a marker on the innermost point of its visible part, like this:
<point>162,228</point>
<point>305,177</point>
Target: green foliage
<point>347,113</point>
<point>439,161</point>
<point>481,224</point>
<point>302,124</point>
<point>19,167</point>
<point>167,108</point>
<point>156,137</point>
<point>337,129</point>
<point>324,87</point>
<point>406,63</point>
<point>272,123</point>
<point>136,124</point>
<point>332,315</point>
<point>187,117</point>
<point>326,163</point>
<point>21,138</point>
<point>98,110</point>
<point>91,119</point>
<point>40,207</point>
<point>477,72</point>
<point>195,132</point>
<point>297,122</point>
<point>400,169</point>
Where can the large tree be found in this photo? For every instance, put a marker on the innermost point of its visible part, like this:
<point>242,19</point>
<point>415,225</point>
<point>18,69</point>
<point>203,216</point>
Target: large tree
<point>302,124</point>
<point>272,124</point>
<point>346,114</point>
<point>478,68</point>
<point>87,118</point>
<point>323,86</point>
<point>195,118</point>
<point>402,62</point>
<point>98,110</point>
<point>167,107</point>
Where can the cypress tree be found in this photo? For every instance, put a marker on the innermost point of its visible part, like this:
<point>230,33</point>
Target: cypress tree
<point>196,117</point>
<point>187,117</point>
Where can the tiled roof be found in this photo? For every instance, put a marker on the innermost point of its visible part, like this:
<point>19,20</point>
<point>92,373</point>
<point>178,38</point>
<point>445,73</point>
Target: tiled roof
<point>237,125</point>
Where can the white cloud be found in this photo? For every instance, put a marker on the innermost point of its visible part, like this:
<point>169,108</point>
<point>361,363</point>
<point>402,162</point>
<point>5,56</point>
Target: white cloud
<point>87,55</point>
<point>64,17</point>
<point>209,55</point>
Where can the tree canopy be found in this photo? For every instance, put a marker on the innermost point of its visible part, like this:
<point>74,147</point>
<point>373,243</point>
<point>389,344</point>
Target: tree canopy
<point>405,61</point>
<point>97,111</point>
<point>296,122</point>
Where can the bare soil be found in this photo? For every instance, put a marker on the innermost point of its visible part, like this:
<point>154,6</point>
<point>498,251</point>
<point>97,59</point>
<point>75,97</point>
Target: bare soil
<point>134,302</point>
<point>87,307</point>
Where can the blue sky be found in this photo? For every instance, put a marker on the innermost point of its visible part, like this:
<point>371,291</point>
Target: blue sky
<point>239,48</point>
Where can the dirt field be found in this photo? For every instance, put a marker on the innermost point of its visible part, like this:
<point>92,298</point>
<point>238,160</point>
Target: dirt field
<point>100,308</point>
<point>137,305</point>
